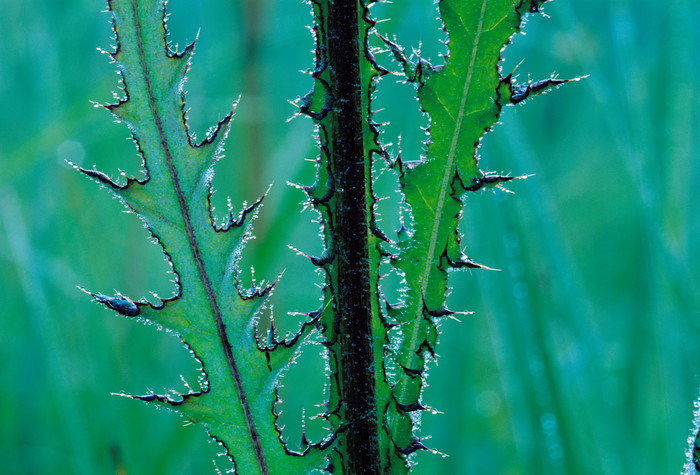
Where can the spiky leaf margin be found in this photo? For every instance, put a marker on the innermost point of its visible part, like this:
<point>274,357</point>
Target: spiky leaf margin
<point>463,99</point>
<point>213,316</point>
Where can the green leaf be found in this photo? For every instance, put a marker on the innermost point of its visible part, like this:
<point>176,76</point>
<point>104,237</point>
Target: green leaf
<point>376,351</point>
<point>463,100</point>
<point>213,316</point>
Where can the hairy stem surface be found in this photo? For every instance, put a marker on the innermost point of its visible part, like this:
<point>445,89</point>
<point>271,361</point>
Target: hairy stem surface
<point>354,292</point>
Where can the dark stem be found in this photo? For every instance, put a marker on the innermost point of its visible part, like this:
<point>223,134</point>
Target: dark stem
<point>353,299</point>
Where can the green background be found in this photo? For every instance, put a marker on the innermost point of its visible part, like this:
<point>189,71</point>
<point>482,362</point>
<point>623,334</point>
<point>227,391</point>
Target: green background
<point>582,354</point>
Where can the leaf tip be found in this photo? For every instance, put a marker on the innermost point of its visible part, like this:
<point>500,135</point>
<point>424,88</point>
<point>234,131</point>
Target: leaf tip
<point>120,304</point>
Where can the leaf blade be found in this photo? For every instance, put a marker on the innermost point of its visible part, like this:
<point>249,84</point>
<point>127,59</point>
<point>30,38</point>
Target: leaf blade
<point>214,318</point>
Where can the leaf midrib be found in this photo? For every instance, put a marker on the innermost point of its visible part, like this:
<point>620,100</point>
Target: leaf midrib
<point>194,247</point>
<point>445,182</point>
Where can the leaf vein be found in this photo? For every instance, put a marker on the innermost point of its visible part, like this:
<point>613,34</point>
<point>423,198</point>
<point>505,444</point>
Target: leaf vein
<point>194,246</point>
<point>444,184</point>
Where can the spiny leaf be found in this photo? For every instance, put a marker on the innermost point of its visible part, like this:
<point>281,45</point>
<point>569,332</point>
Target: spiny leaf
<point>463,99</point>
<point>376,351</point>
<point>211,314</point>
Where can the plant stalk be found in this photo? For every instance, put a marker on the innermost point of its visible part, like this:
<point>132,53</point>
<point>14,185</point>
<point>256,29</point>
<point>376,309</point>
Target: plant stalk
<point>353,298</point>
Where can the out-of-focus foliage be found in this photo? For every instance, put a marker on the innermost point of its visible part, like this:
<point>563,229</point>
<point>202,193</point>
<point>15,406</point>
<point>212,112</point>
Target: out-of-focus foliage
<point>581,356</point>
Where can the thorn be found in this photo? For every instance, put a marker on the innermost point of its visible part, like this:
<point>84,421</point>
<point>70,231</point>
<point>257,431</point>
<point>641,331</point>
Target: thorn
<point>189,388</point>
<point>279,277</point>
<point>516,67</point>
<point>297,113</point>
<point>120,303</point>
<point>414,406</point>
<point>464,261</point>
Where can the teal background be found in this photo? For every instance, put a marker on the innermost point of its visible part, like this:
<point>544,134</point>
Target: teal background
<point>582,354</point>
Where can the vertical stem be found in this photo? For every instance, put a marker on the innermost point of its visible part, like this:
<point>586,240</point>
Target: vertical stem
<point>354,290</point>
